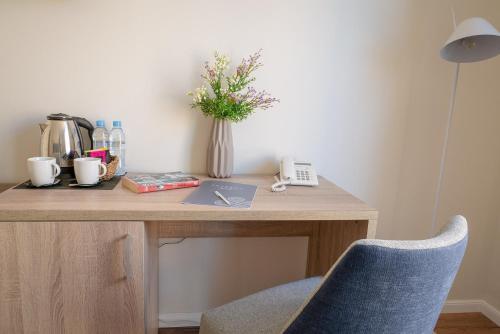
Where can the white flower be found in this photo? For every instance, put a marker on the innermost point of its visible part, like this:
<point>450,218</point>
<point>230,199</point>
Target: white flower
<point>199,94</point>
<point>221,62</point>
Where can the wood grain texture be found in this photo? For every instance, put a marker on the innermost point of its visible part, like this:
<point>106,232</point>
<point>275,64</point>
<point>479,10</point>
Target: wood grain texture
<point>468,330</point>
<point>325,202</point>
<point>466,323</point>
<point>195,229</point>
<point>328,242</point>
<point>151,278</point>
<point>179,330</point>
<point>69,278</point>
<point>5,186</point>
<point>40,263</point>
<point>11,316</point>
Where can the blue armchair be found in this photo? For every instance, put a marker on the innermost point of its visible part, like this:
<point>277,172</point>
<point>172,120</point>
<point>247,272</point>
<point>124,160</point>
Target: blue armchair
<point>377,286</point>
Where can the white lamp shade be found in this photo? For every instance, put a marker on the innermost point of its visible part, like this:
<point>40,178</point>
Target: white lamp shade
<point>474,39</point>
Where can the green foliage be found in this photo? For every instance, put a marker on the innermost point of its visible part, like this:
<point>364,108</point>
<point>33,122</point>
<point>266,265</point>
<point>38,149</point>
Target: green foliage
<point>227,99</point>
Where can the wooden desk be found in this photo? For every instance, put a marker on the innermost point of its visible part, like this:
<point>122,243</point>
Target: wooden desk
<point>86,261</point>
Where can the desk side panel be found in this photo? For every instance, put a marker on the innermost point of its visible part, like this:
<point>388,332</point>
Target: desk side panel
<point>328,242</point>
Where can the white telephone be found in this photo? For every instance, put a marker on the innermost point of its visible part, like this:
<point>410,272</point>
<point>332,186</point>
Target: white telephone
<point>295,173</point>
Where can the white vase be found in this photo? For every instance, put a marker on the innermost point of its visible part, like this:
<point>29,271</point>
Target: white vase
<point>220,150</point>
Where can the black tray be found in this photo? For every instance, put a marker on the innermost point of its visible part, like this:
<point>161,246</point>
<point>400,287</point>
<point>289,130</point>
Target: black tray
<point>64,184</point>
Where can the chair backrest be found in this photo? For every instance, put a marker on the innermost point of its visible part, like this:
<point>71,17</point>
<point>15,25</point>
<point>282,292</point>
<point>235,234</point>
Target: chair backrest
<point>381,286</point>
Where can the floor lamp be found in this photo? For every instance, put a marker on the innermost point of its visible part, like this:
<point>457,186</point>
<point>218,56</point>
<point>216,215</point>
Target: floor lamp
<point>473,40</point>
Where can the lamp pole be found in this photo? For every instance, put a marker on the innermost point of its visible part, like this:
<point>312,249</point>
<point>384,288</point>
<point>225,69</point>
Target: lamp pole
<point>444,152</point>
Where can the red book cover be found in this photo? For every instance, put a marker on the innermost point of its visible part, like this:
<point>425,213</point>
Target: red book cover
<point>151,182</point>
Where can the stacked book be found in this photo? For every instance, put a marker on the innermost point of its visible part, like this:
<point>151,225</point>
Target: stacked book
<point>151,182</point>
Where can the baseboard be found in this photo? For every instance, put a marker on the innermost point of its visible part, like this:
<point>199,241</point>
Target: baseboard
<point>179,320</point>
<point>472,305</point>
<point>463,305</point>
<point>492,313</point>
<point>451,306</point>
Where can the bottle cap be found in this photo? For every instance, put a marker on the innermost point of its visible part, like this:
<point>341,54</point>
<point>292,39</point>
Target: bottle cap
<point>117,124</point>
<point>99,123</point>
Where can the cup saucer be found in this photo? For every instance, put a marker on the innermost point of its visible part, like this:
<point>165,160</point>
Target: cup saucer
<point>78,185</point>
<point>31,185</point>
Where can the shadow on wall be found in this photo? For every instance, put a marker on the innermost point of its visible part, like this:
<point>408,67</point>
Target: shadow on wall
<point>254,164</point>
<point>199,143</point>
<point>265,165</point>
<point>24,142</point>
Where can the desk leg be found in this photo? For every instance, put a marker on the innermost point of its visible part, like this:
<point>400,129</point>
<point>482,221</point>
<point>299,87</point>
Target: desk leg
<point>151,264</point>
<point>329,239</point>
<point>372,229</point>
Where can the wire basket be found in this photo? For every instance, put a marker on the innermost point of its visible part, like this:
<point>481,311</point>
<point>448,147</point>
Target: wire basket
<point>111,167</point>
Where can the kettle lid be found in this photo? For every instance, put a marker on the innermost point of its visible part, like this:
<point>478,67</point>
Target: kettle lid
<point>59,117</point>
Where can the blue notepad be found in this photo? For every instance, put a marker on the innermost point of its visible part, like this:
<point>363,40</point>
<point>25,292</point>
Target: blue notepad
<point>238,194</point>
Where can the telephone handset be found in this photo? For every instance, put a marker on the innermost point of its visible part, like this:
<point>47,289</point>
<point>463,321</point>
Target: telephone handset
<point>296,173</point>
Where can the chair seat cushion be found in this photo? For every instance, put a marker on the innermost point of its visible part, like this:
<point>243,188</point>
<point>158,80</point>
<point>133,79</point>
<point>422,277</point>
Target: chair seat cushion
<point>266,311</point>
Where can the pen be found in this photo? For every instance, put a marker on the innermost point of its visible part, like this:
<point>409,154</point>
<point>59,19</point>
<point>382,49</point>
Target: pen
<point>222,197</point>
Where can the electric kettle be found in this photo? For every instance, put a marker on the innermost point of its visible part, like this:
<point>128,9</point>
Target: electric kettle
<point>62,139</point>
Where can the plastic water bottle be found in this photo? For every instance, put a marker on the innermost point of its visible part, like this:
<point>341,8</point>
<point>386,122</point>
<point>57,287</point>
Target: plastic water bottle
<point>100,136</point>
<point>117,146</point>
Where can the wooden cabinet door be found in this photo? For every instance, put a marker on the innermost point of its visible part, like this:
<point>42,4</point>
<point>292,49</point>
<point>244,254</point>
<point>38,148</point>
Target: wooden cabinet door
<point>72,277</point>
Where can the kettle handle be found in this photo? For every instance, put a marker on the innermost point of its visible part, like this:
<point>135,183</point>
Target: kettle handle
<point>87,125</point>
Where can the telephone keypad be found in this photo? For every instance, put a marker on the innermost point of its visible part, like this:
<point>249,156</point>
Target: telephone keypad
<point>303,175</point>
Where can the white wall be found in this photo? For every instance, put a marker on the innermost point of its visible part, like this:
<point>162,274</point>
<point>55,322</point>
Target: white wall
<point>472,174</point>
<point>198,274</point>
<point>363,96</point>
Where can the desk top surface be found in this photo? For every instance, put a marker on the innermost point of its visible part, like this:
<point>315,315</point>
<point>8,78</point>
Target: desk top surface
<point>325,202</point>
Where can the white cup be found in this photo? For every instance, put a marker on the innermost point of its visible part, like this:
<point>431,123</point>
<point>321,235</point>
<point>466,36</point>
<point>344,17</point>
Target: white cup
<point>43,170</point>
<point>89,170</point>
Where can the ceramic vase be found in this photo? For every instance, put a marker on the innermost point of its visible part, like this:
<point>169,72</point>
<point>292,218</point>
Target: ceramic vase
<point>220,150</point>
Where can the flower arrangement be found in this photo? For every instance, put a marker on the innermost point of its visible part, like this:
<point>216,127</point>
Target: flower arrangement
<point>231,97</point>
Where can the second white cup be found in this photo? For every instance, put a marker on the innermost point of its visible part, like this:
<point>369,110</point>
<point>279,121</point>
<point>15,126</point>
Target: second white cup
<point>89,170</point>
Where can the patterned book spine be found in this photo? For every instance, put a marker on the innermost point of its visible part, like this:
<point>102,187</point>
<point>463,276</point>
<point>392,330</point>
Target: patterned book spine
<point>141,188</point>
